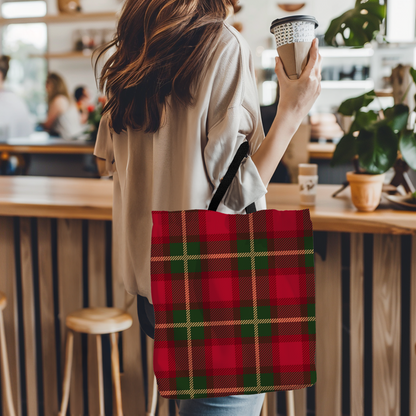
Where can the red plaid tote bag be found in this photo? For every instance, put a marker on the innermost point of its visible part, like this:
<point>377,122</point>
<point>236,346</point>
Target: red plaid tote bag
<point>234,300</point>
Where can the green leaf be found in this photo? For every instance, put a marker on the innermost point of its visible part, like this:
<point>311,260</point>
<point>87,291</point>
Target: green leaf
<point>351,106</point>
<point>396,117</point>
<point>408,148</point>
<point>413,74</point>
<point>363,22</point>
<point>363,120</point>
<point>345,150</point>
<point>377,149</point>
<point>375,9</point>
<point>336,27</point>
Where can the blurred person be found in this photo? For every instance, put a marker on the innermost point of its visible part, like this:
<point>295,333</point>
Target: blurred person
<point>63,118</point>
<point>182,98</point>
<point>15,118</point>
<point>83,100</point>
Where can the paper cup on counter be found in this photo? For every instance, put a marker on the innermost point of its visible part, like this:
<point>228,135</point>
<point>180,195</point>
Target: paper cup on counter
<point>294,36</point>
<point>308,183</point>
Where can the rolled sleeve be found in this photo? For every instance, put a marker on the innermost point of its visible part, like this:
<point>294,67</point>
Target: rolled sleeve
<point>104,147</point>
<point>246,188</point>
<point>224,139</point>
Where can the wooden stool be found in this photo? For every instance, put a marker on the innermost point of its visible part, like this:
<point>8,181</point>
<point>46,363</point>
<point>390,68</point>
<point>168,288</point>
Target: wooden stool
<point>4,360</point>
<point>96,321</point>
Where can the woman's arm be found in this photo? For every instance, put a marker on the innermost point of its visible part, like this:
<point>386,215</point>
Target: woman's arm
<point>58,106</point>
<point>296,99</point>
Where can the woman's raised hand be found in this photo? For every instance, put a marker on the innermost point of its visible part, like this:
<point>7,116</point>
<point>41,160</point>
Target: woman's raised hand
<point>298,96</point>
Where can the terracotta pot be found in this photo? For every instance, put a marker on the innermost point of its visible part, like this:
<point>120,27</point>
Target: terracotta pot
<point>365,190</point>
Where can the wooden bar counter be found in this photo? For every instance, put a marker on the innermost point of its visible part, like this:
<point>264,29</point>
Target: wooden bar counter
<point>56,257</point>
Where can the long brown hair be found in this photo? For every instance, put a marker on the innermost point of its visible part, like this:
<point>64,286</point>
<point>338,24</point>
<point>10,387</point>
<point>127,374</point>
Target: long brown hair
<point>58,87</point>
<point>4,65</point>
<point>162,50</point>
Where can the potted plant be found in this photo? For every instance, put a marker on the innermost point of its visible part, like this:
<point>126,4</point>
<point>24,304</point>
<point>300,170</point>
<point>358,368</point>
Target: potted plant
<point>357,26</point>
<point>374,142</point>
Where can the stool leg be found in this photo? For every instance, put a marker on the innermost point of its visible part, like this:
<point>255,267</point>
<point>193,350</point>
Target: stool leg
<point>67,374</point>
<point>100,374</point>
<point>115,365</point>
<point>290,403</point>
<point>5,367</point>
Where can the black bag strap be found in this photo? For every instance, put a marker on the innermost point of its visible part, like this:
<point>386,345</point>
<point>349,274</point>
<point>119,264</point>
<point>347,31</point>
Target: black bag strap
<point>242,153</point>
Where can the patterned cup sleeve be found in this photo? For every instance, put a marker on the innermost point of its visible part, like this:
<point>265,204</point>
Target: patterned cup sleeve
<point>294,32</point>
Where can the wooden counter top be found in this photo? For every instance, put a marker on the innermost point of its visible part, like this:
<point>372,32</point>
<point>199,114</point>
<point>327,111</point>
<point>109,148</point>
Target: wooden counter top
<point>339,214</point>
<point>27,196</point>
<point>42,143</point>
<point>92,199</point>
<point>321,151</point>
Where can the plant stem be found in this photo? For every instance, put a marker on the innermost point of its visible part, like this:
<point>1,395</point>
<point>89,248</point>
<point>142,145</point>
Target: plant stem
<point>356,165</point>
<point>381,107</point>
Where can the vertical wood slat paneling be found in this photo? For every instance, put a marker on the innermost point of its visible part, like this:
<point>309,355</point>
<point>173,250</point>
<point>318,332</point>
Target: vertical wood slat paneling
<point>29,329</point>
<point>265,407</point>
<point>162,403</point>
<point>329,329</point>
<point>47,318</point>
<point>8,287</point>
<point>132,381</point>
<point>163,406</point>
<point>272,403</point>
<point>413,332</point>
<point>386,325</point>
<point>97,298</point>
<point>357,324</point>
<point>150,373</point>
<point>386,315</point>
<point>300,402</point>
<point>71,299</point>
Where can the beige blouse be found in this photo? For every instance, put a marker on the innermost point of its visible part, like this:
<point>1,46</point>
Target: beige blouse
<point>180,166</point>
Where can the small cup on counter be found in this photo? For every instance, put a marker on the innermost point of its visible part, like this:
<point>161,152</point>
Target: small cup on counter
<point>308,182</point>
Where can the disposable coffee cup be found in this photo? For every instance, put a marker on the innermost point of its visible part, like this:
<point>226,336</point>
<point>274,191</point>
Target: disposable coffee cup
<point>308,183</point>
<point>294,36</point>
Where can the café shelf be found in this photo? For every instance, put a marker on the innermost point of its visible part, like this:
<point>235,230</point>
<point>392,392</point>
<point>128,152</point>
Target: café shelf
<point>61,18</point>
<point>65,55</point>
<point>56,256</point>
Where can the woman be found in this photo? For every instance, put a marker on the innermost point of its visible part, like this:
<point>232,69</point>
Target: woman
<point>63,118</point>
<point>182,98</point>
<point>15,118</point>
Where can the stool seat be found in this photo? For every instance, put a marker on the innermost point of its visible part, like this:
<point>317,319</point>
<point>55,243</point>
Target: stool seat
<point>3,301</point>
<point>99,321</point>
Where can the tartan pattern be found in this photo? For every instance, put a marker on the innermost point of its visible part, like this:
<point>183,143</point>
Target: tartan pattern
<point>234,300</point>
